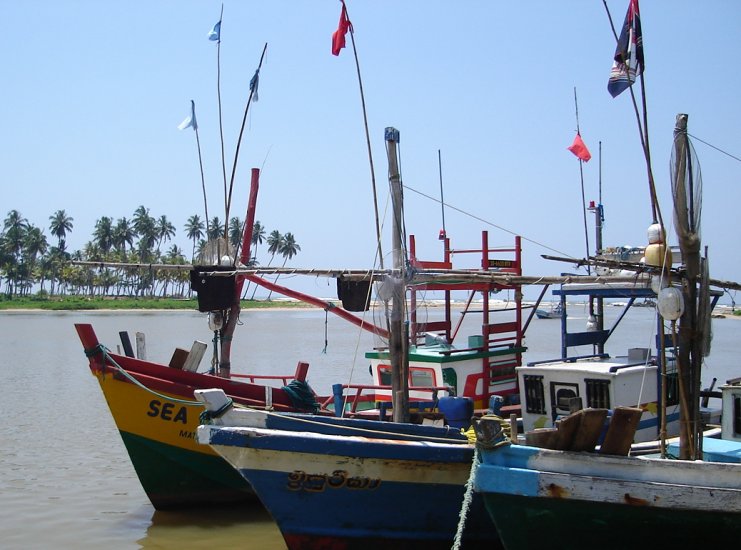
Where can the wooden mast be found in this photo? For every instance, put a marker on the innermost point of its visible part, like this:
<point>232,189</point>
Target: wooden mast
<point>398,341</point>
<point>689,358</point>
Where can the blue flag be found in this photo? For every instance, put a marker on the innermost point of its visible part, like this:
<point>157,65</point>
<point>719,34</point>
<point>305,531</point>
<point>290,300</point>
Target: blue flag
<point>190,122</point>
<point>215,33</point>
<point>254,83</point>
<point>628,63</point>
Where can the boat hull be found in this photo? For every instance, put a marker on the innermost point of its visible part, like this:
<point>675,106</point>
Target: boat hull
<point>573,524</point>
<point>331,491</point>
<point>158,431</point>
<point>585,500</point>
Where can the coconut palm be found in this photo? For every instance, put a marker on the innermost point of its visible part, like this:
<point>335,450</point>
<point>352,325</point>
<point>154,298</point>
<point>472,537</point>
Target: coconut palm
<point>165,231</point>
<point>274,242</point>
<point>288,248</point>
<point>123,234</point>
<point>103,234</point>
<point>258,237</point>
<point>235,231</point>
<point>214,228</point>
<point>194,229</point>
<point>60,224</point>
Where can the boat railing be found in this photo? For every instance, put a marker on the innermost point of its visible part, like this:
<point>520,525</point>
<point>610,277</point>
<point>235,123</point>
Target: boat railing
<point>340,400</point>
<point>572,359</point>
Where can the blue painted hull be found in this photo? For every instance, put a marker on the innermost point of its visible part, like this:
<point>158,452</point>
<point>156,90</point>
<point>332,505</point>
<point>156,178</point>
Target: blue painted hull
<point>335,492</point>
<point>588,500</point>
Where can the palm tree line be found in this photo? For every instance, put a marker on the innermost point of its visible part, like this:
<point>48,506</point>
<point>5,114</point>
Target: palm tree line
<point>29,263</point>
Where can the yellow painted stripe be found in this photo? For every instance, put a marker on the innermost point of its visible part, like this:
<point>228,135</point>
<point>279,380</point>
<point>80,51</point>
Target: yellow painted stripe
<point>145,414</point>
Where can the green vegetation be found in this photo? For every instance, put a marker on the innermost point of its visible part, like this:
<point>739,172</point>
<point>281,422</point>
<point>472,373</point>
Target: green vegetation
<point>30,265</point>
<point>75,303</point>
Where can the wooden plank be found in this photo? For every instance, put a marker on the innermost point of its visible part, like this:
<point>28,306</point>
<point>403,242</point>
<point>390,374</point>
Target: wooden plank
<point>194,357</point>
<point>592,423</point>
<point>622,430</point>
<point>126,342</point>
<point>141,346</point>
<point>179,356</point>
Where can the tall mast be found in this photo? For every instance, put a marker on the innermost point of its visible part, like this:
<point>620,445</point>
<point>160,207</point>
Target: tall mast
<point>398,341</point>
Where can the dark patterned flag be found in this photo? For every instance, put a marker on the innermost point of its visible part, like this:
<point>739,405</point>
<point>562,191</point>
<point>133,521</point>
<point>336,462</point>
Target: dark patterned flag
<point>579,149</point>
<point>628,63</point>
<point>338,37</point>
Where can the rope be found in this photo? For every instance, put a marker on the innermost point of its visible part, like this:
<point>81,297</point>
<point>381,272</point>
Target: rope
<point>207,416</point>
<point>100,348</point>
<point>326,320</point>
<point>301,395</point>
<point>467,499</point>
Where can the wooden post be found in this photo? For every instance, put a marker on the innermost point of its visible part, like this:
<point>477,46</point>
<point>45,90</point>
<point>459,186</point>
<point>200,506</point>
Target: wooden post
<point>397,343</point>
<point>141,346</point>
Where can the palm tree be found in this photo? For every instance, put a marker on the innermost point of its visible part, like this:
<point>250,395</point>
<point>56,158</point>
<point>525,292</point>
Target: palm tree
<point>103,234</point>
<point>123,234</point>
<point>214,228</point>
<point>60,224</point>
<point>16,227</point>
<point>235,232</point>
<point>258,237</point>
<point>287,248</point>
<point>274,242</point>
<point>146,229</point>
<point>194,228</point>
<point>165,231</point>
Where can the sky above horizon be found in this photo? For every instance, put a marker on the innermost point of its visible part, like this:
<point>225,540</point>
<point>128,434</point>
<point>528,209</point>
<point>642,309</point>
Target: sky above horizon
<point>93,93</point>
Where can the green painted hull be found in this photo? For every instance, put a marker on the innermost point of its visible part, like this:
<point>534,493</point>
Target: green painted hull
<point>552,523</point>
<point>174,477</point>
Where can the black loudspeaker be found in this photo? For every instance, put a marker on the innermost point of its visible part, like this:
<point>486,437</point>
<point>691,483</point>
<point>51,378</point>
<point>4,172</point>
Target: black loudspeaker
<point>215,292</point>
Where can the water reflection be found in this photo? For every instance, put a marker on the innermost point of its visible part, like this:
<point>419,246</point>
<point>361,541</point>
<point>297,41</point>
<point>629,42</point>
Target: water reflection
<point>242,526</point>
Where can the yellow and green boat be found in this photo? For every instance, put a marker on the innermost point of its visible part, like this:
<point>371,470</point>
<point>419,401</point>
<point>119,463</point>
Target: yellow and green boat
<point>157,417</point>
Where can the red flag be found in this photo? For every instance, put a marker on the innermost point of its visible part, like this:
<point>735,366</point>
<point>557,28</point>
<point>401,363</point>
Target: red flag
<point>338,37</point>
<point>579,149</point>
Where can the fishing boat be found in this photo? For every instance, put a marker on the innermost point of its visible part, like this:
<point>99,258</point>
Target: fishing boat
<point>688,494</point>
<point>348,483</point>
<point>582,499</point>
<point>554,312</point>
<point>153,407</point>
<point>315,477</point>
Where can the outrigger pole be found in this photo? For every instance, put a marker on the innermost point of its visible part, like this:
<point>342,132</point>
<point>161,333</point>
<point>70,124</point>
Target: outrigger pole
<point>218,96</point>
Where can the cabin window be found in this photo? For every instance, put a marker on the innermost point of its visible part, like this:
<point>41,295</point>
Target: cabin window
<point>672,388</point>
<point>534,394</point>
<point>417,376</point>
<point>561,395</point>
<point>421,377</point>
<point>384,375</point>
<point>736,416</point>
<point>598,393</point>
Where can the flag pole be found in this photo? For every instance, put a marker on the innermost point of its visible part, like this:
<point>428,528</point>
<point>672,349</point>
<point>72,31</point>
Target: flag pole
<point>581,175</point>
<point>200,163</point>
<point>642,132</point>
<point>253,90</point>
<point>368,142</point>
<point>218,95</point>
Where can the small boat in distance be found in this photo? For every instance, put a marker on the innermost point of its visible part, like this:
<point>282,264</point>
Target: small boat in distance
<point>555,312</point>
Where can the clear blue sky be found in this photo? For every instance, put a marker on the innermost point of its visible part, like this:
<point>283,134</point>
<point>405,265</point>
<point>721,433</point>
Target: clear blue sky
<point>93,92</point>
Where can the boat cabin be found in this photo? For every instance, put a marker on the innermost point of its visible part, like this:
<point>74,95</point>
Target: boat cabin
<point>552,389</point>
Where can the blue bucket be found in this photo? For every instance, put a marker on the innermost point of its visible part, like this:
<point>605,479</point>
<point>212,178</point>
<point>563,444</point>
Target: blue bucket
<point>457,411</point>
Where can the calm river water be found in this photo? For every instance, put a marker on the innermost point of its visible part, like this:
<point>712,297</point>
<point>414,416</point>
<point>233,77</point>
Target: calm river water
<point>65,478</point>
